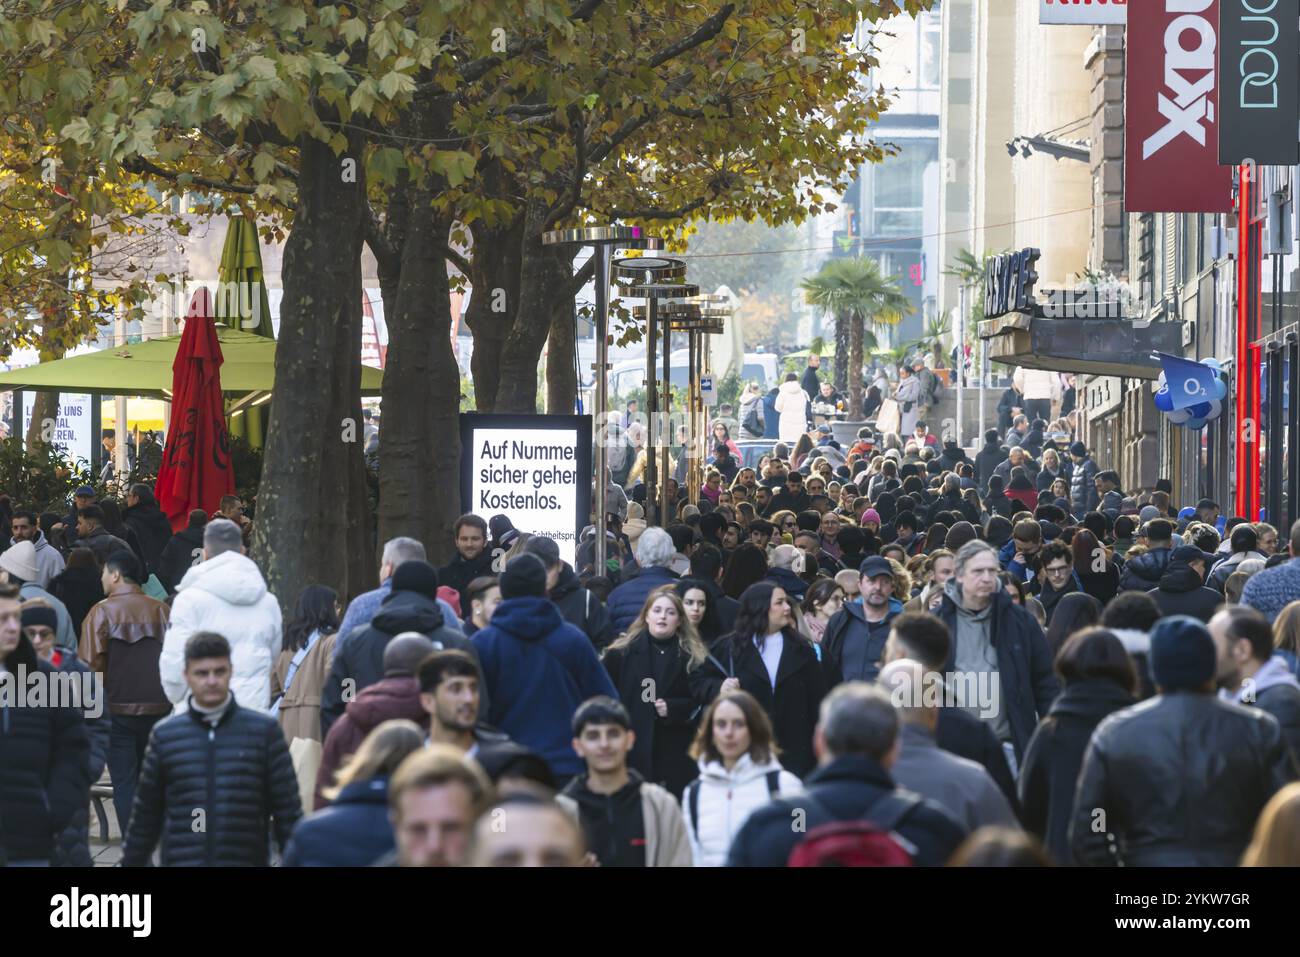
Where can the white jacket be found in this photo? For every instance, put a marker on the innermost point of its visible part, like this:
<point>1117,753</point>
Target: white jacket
<point>1037,383</point>
<point>726,799</point>
<point>792,403</point>
<point>226,595</point>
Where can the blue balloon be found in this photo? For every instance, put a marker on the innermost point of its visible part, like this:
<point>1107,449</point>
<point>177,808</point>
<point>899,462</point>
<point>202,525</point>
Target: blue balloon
<point>1164,401</point>
<point>1220,389</point>
<point>1179,416</point>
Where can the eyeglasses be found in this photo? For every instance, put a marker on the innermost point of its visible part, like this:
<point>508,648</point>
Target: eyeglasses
<point>1057,570</point>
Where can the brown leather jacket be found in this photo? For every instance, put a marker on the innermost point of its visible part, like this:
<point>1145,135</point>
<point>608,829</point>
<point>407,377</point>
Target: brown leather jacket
<point>122,638</point>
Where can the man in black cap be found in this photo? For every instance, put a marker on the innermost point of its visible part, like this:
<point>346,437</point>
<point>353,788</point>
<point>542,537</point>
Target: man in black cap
<point>1182,588</point>
<point>1178,780</point>
<point>359,656</point>
<point>856,634</point>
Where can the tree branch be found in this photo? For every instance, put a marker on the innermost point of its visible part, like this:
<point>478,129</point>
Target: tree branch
<point>579,170</point>
<point>583,276</point>
<point>144,167</point>
<point>705,32</point>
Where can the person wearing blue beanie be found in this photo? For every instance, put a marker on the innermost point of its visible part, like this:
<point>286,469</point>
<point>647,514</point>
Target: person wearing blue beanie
<point>1179,779</point>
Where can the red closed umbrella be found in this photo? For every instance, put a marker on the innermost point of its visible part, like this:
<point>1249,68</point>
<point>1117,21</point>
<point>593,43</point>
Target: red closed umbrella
<point>196,469</point>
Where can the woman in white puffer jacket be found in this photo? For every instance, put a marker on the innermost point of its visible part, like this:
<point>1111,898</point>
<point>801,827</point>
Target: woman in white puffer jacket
<point>739,773</point>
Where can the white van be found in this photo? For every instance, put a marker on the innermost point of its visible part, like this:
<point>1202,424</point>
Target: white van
<point>627,377</point>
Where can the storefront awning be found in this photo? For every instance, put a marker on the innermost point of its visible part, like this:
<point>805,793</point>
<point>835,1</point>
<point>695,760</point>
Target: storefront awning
<point>1113,347</point>
<point>145,369</point>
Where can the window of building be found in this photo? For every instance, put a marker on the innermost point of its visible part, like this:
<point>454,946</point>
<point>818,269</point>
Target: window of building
<point>898,190</point>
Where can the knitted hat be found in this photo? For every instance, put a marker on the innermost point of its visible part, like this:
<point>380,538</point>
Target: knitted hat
<point>1182,654</point>
<point>871,515</point>
<point>1078,448</point>
<point>40,615</point>
<point>959,535</point>
<point>524,577</point>
<point>417,576</point>
<point>998,531</point>
<point>1148,512</point>
<point>20,561</point>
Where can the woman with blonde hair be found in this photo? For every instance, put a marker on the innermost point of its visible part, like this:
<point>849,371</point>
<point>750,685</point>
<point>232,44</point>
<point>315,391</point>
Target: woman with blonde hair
<point>1286,635</point>
<point>1277,832</point>
<point>649,665</point>
<point>354,831</point>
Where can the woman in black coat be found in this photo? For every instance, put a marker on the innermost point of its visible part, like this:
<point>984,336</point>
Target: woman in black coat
<point>79,586</point>
<point>1099,679</point>
<point>652,661</point>
<point>791,694</point>
<point>1097,571</point>
<point>701,608</point>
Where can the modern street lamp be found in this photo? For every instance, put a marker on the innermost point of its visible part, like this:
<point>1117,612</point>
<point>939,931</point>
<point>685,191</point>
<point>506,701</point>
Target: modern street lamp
<point>603,240</point>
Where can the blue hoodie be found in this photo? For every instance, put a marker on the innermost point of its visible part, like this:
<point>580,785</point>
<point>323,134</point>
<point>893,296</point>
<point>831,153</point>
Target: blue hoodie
<point>538,669</point>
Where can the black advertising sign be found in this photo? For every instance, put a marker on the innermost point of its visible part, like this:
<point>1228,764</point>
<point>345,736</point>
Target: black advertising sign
<point>1259,82</point>
<point>1009,283</point>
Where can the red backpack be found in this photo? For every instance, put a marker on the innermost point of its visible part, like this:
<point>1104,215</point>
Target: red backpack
<point>861,842</point>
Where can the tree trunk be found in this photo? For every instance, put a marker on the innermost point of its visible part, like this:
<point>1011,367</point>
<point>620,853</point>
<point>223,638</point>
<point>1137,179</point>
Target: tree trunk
<point>543,279</point>
<point>419,453</point>
<point>312,518</point>
<point>494,276</point>
<point>561,358</point>
<point>856,331</point>
<point>841,351</point>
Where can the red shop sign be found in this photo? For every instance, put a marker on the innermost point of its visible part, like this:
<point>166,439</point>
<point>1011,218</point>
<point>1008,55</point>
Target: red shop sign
<point>1171,116</point>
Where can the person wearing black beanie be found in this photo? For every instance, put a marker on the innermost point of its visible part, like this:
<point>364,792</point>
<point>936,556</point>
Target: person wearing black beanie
<point>524,577</point>
<point>417,576</point>
<point>411,606</point>
<point>1180,779</point>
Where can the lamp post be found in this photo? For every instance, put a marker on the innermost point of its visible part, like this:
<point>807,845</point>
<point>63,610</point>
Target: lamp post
<point>603,240</point>
<point>653,279</point>
<point>697,316</point>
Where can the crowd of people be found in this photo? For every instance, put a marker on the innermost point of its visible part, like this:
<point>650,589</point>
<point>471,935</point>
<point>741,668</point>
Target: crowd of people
<point>887,654</point>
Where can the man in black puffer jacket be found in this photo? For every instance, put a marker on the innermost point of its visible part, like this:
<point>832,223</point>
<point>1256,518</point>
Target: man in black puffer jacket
<point>1144,572</point>
<point>993,454</point>
<point>215,779</point>
<point>44,754</point>
<point>412,605</point>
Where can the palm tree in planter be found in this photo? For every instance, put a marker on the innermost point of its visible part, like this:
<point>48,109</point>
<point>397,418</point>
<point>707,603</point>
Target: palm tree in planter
<point>864,300</point>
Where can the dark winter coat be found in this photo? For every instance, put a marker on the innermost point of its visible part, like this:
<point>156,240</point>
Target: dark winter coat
<point>44,764</point>
<point>1083,490</point>
<point>181,553</point>
<point>661,743</point>
<point>539,668</point>
<point>952,456</point>
<point>1103,585</point>
<point>1144,572</point>
<point>359,655</point>
<point>625,601</point>
<point>459,572</point>
<point>962,733</point>
<point>1181,593</point>
<point>851,646</point>
<point>392,698</point>
<point>80,589</point>
<point>1055,755</point>
<point>581,608</point>
<point>72,849</point>
<point>844,789</point>
<point>987,459</point>
<point>810,383</point>
<point>152,530</point>
<point>1024,663</point>
<point>354,831</point>
<point>1181,779</point>
<point>238,773</point>
<point>103,544</point>
<point>794,587</point>
<point>792,706</point>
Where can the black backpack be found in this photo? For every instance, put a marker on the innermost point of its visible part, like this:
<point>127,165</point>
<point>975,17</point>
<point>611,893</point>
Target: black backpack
<point>773,779</point>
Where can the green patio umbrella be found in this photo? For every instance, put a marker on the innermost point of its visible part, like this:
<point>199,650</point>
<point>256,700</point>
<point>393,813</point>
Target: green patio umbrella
<point>241,303</point>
